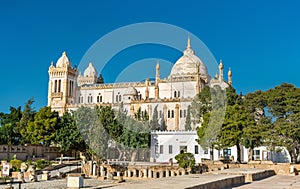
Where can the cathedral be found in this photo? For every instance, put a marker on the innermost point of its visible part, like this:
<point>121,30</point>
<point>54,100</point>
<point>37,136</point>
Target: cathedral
<point>171,96</point>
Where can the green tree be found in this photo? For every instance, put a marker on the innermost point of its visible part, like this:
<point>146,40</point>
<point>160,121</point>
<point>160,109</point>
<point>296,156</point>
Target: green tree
<point>185,160</point>
<point>211,108</point>
<point>163,125</point>
<point>27,116</point>
<point>92,130</point>
<point>154,122</point>
<point>68,135</point>
<point>235,121</point>
<point>187,124</point>
<point>141,115</point>
<point>283,103</point>
<point>8,130</point>
<point>127,133</point>
<point>42,130</point>
<point>256,130</point>
<point>200,105</point>
<point>232,129</point>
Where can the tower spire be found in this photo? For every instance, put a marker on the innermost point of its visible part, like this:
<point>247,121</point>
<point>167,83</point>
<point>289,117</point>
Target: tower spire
<point>229,77</point>
<point>188,42</point>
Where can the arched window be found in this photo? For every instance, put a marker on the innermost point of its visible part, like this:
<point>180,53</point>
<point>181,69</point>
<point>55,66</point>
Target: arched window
<point>99,98</point>
<point>178,94</point>
<point>174,94</point>
<point>172,113</point>
<point>55,86</point>
<point>90,98</point>
<point>169,114</point>
<point>117,98</point>
<point>120,98</point>
<point>59,85</point>
<point>71,85</point>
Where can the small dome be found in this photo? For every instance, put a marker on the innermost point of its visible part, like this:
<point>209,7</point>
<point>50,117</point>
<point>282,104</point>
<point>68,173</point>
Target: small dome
<point>131,91</point>
<point>63,61</point>
<point>90,71</point>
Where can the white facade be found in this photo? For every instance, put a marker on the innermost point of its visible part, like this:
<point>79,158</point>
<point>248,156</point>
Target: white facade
<point>167,144</point>
<point>172,95</point>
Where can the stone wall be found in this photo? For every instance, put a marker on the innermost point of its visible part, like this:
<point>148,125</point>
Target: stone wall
<point>28,152</point>
<point>279,168</point>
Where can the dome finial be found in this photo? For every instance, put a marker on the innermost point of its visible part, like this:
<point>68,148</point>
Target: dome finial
<point>188,42</point>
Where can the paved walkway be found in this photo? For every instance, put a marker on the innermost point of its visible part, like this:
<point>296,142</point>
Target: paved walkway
<point>179,182</point>
<point>274,182</point>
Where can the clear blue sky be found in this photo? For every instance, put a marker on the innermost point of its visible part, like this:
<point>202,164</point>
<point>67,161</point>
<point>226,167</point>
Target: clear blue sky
<point>258,40</point>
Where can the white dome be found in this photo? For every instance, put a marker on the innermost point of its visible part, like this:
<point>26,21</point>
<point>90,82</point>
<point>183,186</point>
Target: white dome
<point>90,71</point>
<point>63,61</point>
<point>131,91</point>
<point>187,64</point>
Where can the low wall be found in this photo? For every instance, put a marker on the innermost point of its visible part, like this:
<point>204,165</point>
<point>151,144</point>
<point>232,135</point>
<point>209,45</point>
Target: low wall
<point>223,183</point>
<point>279,168</point>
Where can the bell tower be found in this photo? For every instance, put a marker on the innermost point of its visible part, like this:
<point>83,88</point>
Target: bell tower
<point>62,84</point>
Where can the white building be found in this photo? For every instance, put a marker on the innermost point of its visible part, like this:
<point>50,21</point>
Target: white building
<point>172,95</point>
<point>167,144</point>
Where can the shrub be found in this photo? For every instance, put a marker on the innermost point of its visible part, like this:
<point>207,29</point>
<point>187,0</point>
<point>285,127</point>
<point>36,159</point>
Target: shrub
<point>185,160</point>
<point>15,164</point>
<point>41,164</point>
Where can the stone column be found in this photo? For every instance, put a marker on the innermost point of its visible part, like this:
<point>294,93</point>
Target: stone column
<point>172,173</point>
<point>102,173</point>
<point>64,90</point>
<point>129,173</point>
<point>134,172</point>
<point>145,173</point>
<point>167,173</point>
<point>149,173</point>
<point>176,117</point>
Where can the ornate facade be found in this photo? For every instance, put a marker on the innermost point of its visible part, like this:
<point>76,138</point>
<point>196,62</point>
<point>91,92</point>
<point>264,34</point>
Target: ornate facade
<point>69,90</point>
